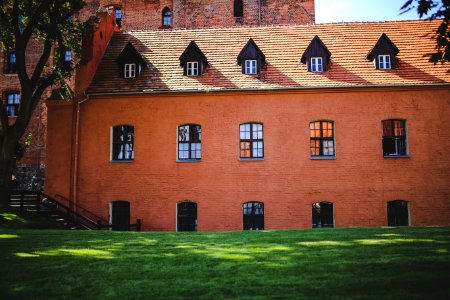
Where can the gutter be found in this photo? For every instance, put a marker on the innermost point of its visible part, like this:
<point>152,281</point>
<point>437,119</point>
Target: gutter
<point>301,88</point>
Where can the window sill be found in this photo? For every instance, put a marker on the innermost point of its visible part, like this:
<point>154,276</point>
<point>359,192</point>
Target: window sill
<point>188,160</point>
<point>396,156</point>
<point>121,161</point>
<point>322,157</point>
<point>251,159</point>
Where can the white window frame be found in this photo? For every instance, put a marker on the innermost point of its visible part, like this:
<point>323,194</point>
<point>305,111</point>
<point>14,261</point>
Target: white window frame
<point>192,68</point>
<point>384,62</point>
<point>251,67</point>
<point>317,64</point>
<point>129,71</point>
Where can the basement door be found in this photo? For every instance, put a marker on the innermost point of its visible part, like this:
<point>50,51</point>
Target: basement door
<point>120,215</point>
<point>398,213</point>
<point>322,214</point>
<point>187,216</point>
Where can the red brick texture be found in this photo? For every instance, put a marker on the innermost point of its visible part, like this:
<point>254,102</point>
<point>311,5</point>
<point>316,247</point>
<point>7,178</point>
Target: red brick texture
<point>360,181</point>
<point>147,14</point>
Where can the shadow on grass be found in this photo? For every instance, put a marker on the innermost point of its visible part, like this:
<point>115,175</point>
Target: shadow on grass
<point>370,263</point>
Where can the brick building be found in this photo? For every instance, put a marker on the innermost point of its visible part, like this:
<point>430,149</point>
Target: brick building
<point>139,15</point>
<point>256,127</point>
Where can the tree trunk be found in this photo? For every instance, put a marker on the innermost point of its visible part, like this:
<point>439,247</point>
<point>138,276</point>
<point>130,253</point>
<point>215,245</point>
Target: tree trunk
<point>9,147</point>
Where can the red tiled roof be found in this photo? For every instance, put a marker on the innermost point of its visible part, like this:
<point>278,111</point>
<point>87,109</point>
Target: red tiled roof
<point>349,44</point>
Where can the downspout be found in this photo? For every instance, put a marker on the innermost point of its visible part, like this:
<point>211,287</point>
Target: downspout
<point>259,12</point>
<point>74,188</point>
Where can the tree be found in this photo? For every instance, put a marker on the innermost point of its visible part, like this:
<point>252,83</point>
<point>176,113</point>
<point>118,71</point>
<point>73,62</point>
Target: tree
<point>48,28</point>
<point>435,10</point>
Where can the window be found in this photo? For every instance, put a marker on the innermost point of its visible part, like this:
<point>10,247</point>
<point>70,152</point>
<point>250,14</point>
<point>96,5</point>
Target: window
<point>192,68</point>
<point>21,22</point>
<point>190,142</point>
<point>316,64</point>
<point>12,102</point>
<point>123,143</point>
<point>321,139</point>
<point>250,67</point>
<point>119,14</point>
<point>238,8</point>
<point>384,62</point>
<point>167,17</point>
<point>394,138</point>
<point>322,214</point>
<point>398,213</point>
<point>253,216</point>
<point>187,216</point>
<point>130,71</point>
<point>68,56</point>
<point>251,140</point>
<point>10,63</point>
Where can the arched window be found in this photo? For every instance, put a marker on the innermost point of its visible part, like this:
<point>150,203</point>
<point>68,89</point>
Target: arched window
<point>238,8</point>
<point>253,215</point>
<point>251,140</point>
<point>167,17</point>
<point>119,14</point>
<point>322,139</point>
<point>187,216</point>
<point>122,143</point>
<point>120,215</point>
<point>190,142</point>
<point>322,214</point>
<point>398,213</point>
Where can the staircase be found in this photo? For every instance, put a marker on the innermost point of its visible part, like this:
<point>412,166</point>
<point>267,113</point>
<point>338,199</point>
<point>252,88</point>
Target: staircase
<point>61,210</point>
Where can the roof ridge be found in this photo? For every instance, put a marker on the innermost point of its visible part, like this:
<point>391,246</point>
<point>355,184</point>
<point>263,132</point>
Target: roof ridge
<point>278,26</point>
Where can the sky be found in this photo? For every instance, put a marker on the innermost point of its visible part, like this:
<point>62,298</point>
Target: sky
<point>361,10</point>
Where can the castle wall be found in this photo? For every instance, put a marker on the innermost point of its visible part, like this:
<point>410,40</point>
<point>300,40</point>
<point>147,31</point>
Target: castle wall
<point>359,181</point>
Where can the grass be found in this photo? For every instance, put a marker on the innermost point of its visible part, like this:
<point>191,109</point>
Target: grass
<point>341,263</point>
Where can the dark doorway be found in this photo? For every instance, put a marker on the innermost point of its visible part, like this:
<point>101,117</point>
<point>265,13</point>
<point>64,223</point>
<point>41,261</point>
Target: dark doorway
<point>253,215</point>
<point>322,214</point>
<point>187,216</point>
<point>398,213</point>
<point>120,215</point>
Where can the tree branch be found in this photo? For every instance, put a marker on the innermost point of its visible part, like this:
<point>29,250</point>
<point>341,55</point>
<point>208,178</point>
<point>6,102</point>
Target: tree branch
<point>3,117</point>
<point>33,21</point>
<point>42,61</point>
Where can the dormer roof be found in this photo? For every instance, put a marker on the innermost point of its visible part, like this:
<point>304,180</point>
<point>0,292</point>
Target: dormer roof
<point>316,48</point>
<point>384,45</point>
<point>251,51</point>
<point>129,54</point>
<point>193,53</point>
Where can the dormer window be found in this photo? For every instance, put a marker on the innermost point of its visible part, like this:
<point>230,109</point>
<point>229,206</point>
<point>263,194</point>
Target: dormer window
<point>130,71</point>
<point>192,68</point>
<point>250,67</point>
<point>384,62</point>
<point>130,62</point>
<point>383,54</point>
<point>316,64</point>
<point>193,60</point>
<point>316,56</point>
<point>251,58</point>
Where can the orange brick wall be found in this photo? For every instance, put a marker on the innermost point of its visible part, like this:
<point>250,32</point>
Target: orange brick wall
<point>147,14</point>
<point>359,181</point>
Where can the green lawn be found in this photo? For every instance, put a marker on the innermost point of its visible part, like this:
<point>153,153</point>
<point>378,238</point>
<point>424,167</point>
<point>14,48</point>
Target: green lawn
<point>341,263</point>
